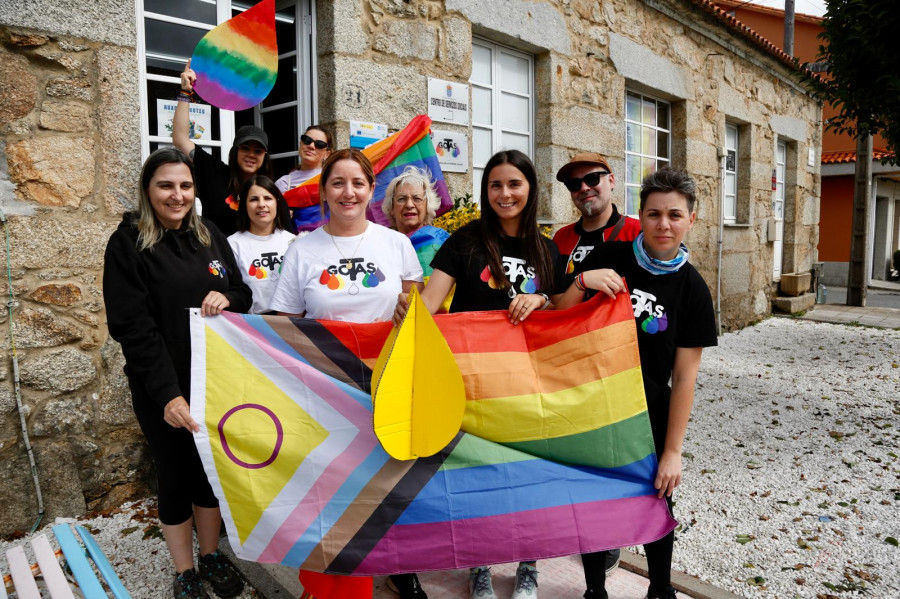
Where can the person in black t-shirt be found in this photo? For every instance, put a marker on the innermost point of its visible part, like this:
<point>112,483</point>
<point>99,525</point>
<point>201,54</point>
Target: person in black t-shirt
<point>219,184</point>
<point>674,315</point>
<point>498,262</point>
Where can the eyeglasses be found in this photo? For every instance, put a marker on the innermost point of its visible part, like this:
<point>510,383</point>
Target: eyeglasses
<point>590,179</point>
<point>404,199</point>
<point>307,140</point>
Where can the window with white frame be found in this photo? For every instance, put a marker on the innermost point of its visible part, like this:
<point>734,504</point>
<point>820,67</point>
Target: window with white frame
<point>648,143</point>
<point>502,85</point>
<point>168,31</point>
<point>731,172</point>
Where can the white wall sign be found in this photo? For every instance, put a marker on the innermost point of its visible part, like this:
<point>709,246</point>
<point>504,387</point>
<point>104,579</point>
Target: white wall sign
<point>452,150</point>
<point>363,134</point>
<point>448,102</point>
<point>201,119</point>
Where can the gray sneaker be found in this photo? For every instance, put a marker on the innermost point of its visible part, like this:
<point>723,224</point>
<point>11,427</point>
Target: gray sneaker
<point>480,586</point>
<point>526,582</point>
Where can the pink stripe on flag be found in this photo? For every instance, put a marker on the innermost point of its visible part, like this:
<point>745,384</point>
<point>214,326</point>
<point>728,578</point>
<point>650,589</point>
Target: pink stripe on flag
<point>312,504</point>
<point>558,531</point>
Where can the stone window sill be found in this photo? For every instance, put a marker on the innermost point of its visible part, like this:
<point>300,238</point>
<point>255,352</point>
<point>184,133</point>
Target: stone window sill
<point>738,225</point>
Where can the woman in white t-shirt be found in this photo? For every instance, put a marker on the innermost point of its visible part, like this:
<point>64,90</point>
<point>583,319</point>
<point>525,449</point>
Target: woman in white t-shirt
<point>350,269</point>
<point>347,269</point>
<point>263,237</point>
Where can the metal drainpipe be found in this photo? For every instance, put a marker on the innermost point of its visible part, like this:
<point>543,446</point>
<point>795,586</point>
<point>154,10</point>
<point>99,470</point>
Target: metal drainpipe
<point>15,364</point>
<point>723,153</point>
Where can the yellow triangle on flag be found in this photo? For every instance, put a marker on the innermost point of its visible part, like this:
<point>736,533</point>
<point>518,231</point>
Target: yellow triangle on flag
<point>417,388</point>
<point>259,435</point>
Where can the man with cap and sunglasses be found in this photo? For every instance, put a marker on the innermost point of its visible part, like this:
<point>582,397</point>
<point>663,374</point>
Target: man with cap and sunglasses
<point>589,179</point>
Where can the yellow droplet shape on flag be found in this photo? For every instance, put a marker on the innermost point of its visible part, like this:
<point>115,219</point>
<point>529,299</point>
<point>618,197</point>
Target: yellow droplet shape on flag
<point>417,388</point>
<point>260,440</point>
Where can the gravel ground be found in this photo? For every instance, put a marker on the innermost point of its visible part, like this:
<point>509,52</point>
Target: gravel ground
<point>791,471</point>
<point>132,540</point>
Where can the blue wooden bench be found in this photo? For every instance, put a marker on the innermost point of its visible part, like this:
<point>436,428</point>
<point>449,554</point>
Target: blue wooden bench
<point>27,579</point>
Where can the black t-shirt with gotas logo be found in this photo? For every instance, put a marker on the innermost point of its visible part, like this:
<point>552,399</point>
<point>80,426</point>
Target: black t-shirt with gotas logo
<point>463,258</point>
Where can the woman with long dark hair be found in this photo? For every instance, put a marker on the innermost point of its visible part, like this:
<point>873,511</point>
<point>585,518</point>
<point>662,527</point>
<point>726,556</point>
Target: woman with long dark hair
<point>264,234</point>
<point>498,262</point>
<point>162,260</point>
<point>219,184</point>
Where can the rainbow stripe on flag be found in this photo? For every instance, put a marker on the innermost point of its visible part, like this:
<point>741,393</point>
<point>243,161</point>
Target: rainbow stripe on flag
<point>555,455</point>
<point>410,146</point>
<point>237,62</point>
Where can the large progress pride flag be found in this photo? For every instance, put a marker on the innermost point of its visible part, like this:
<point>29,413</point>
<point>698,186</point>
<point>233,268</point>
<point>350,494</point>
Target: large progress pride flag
<point>555,455</point>
<point>410,146</point>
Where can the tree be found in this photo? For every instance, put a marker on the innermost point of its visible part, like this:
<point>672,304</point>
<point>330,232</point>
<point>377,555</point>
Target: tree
<point>863,83</point>
<point>859,53</point>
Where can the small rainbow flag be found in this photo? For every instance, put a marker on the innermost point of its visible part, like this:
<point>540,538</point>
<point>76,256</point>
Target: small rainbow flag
<point>555,456</point>
<point>410,146</point>
<point>237,62</point>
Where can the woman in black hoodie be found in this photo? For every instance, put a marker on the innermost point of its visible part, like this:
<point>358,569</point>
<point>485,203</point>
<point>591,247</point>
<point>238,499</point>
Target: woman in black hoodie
<point>162,260</point>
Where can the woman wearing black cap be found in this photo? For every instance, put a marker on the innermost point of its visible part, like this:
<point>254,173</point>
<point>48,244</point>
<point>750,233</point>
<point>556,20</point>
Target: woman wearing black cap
<point>218,183</point>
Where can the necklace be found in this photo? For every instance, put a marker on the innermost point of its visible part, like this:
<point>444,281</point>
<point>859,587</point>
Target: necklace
<point>353,289</point>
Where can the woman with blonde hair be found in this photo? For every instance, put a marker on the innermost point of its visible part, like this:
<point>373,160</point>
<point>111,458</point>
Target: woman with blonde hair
<point>410,203</point>
<point>161,261</point>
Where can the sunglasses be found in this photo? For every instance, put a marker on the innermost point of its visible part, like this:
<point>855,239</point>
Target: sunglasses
<point>307,140</point>
<point>590,179</point>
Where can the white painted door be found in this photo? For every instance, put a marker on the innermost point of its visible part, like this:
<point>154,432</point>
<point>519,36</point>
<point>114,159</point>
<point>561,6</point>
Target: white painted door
<point>778,208</point>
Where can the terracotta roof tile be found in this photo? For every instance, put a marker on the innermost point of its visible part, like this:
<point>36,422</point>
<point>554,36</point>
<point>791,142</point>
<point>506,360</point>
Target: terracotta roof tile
<point>767,10</point>
<point>845,157</point>
<point>746,32</point>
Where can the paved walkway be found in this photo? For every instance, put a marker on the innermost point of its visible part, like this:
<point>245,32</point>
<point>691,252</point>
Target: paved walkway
<point>888,318</point>
<point>882,307</point>
<point>560,578</point>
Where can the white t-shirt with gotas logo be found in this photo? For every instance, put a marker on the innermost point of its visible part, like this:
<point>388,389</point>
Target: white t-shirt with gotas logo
<point>260,259</point>
<point>353,279</point>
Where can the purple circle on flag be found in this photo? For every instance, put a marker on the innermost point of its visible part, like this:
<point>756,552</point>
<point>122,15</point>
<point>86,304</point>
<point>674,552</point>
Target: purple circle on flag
<point>278,439</point>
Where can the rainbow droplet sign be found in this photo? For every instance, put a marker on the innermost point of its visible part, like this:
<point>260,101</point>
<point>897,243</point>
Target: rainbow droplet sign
<point>237,62</point>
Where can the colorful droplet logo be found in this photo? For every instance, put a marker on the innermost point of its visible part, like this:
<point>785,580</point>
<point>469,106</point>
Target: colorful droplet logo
<point>487,278</point>
<point>333,282</point>
<point>652,325</point>
<point>257,271</point>
<point>528,286</point>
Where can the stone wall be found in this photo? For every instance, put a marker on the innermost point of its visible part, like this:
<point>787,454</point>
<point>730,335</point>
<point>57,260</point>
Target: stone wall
<point>375,63</point>
<point>69,157</point>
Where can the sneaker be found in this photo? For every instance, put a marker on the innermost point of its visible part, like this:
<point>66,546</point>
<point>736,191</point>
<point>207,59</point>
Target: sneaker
<point>407,586</point>
<point>188,585</point>
<point>612,560</point>
<point>222,576</point>
<point>480,586</point>
<point>668,593</point>
<point>526,582</point>
<point>595,594</point>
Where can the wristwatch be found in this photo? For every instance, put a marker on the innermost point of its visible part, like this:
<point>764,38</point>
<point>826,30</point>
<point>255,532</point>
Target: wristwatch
<point>546,300</point>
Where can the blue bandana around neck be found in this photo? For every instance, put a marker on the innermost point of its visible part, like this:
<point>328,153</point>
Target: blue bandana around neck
<point>658,267</point>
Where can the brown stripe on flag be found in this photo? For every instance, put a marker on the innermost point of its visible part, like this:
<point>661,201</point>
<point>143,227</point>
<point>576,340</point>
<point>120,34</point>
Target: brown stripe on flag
<point>356,515</point>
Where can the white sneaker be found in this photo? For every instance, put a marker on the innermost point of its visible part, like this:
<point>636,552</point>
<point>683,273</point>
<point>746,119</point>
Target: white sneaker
<point>480,586</point>
<point>526,582</point>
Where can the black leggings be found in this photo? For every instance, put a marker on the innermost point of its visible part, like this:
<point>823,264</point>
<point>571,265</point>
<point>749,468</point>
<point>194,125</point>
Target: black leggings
<point>659,563</point>
<point>180,476</point>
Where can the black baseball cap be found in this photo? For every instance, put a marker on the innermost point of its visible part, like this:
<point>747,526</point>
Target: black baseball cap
<point>251,133</point>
